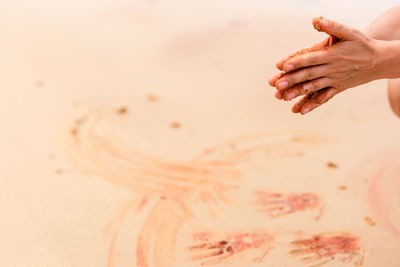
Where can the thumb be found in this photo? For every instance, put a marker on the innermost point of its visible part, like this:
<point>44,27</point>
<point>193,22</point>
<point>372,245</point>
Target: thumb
<point>336,29</point>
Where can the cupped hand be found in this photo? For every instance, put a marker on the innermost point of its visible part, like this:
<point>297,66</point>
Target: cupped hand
<point>327,68</point>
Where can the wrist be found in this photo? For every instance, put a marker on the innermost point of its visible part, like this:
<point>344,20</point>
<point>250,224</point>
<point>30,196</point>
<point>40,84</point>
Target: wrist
<point>388,59</point>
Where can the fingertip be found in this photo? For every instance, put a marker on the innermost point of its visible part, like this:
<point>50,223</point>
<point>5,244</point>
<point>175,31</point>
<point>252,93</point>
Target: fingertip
<point>278,95</point>
<point>305,109</point>
<point>279,65</point>
<point>289,66</point>
<point>322,24</point>
<point>271,82</point>
<point>316,21</point>
<point>296,107</point>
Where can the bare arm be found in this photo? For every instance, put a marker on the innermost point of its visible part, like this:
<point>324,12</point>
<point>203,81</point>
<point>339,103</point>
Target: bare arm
<point>387,27</point>
<point>358,57</point>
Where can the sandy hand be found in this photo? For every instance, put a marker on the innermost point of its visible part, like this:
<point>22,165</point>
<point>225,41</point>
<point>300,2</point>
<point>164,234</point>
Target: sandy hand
<point>352,59</point>
<point>281,63</point>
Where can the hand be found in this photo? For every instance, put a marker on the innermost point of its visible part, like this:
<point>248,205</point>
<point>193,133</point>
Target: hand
<point>319,74</point>
<point>318,46</point>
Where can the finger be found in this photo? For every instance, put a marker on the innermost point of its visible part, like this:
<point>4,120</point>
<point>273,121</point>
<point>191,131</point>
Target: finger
<point>280,63</point>
<point>318,46</point>
<point>306,88</point>
<point>317,99</point>
<point>296,108</point>
<point>303,75</point>
<point>336,29</point>
<point>279,94</point>
<point>307,60</point>
<point>276,77</point>
<point>325,43</point>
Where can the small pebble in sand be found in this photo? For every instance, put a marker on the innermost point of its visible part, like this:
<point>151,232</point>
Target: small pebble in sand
<point>122,110</point>
<point>342,187</point>
<point>175,125</point>
<point>74,131</point>
<point>332,165</point>
<point>152,98</point>
<point>39,84</point>
<point>369,221</point>
<point>79,121</point>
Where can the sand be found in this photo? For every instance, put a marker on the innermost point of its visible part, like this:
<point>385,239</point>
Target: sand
<point>145,134</point>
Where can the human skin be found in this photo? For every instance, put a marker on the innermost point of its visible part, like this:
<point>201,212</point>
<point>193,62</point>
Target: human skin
<point>387,27</point>
<point>346,59</point>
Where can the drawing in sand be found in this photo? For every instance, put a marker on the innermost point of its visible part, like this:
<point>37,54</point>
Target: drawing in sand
<point>172,191</point>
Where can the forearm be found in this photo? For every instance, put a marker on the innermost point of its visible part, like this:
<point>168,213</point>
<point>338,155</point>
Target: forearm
<point>386,27</point>
<point>388,58</point>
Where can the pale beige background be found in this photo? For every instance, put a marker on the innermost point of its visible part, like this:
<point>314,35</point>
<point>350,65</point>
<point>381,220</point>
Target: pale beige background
<point>209,64</point>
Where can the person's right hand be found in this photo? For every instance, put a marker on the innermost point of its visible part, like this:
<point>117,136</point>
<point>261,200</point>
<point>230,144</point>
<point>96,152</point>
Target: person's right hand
<point>318,46</point>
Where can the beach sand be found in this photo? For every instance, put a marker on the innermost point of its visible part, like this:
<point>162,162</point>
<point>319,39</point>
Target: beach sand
<point>145,134</point>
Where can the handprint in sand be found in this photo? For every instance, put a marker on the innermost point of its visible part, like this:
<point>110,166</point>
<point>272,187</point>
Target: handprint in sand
<point>172,189</point>
<point>327,247</point>
<point>278,205</point>
<point>210,249</point>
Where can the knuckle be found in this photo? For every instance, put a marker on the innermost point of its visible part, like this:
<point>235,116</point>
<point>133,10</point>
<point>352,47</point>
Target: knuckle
<point>311,86</point>
<point>309,74</point>
<point>337,26</point>
<point>338,86</point>
<point>313,59</point>
<point>320,99</point>
<point>355,31</point>
<point>315,85</point>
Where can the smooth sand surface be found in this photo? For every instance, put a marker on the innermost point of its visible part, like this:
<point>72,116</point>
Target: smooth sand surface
<point>146,135</point>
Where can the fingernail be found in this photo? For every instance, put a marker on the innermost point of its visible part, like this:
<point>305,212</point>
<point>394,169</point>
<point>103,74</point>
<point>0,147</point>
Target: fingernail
<point>325,23</point>
<point>290,95</point>
<point>278,95</point>
<point>289,67</point>
<point>307,87</point>
<point>305,110</point>
<point>283,85</point>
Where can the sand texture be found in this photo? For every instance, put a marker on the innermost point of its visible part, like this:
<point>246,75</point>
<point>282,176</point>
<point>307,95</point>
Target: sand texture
<point>145,134</point>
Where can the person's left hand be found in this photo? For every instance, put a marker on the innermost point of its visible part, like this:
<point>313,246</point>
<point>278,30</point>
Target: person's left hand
<point>319,75</point>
